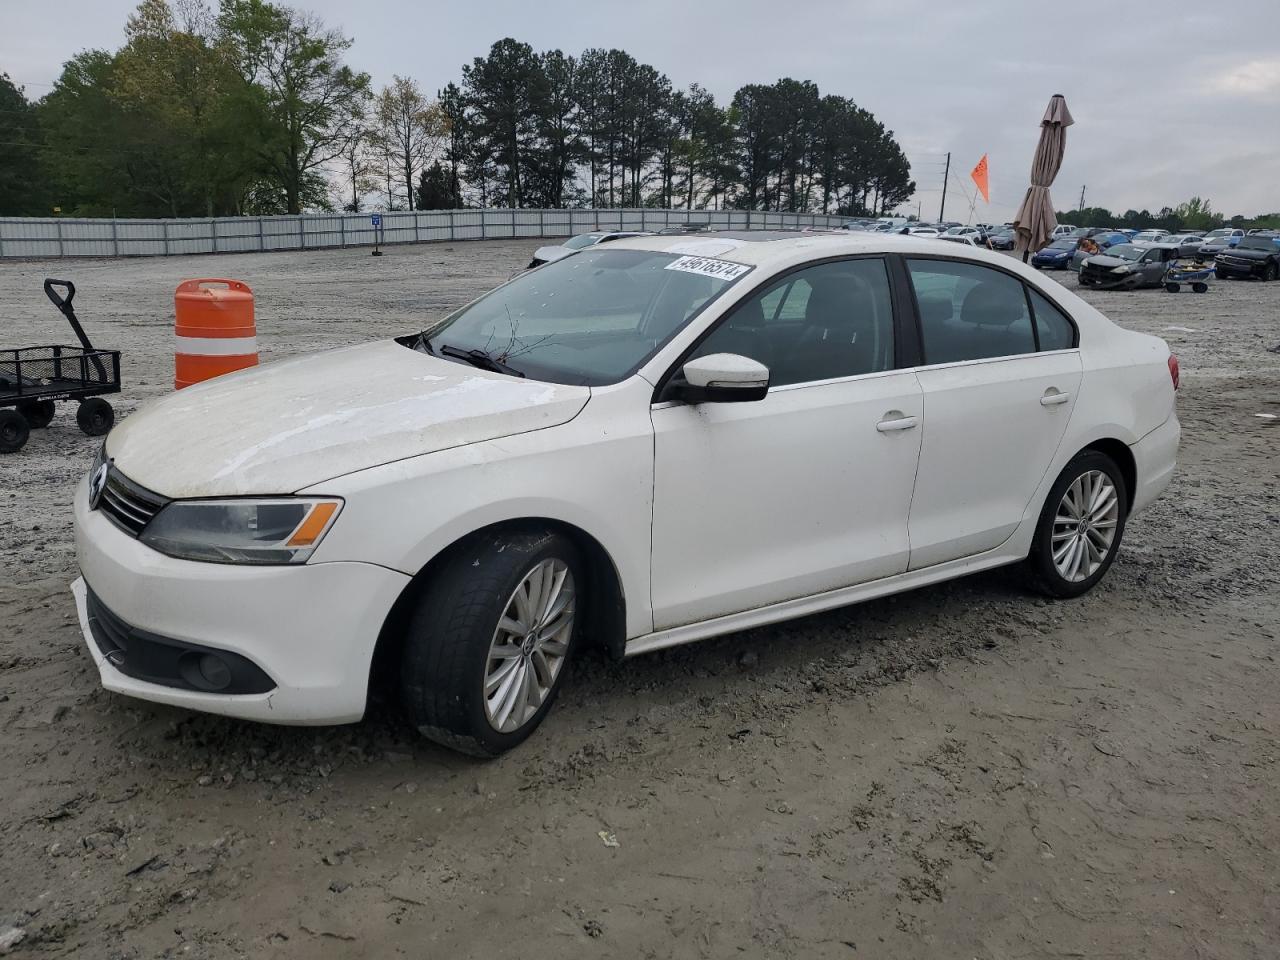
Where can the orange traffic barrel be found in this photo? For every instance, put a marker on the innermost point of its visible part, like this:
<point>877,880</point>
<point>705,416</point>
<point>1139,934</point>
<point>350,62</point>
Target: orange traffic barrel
<point>215,330</point>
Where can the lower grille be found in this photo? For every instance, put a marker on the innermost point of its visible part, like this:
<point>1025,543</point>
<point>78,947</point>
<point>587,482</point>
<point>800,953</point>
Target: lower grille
<point>168,662</point>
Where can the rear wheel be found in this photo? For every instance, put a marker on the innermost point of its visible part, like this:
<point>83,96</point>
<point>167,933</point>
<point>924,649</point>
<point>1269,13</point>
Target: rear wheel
<point>489,641</point>
<point>1080,527</point>
<point>39,413</point>
<point>14,431</point>
<point>1271,272</point>
<point>95,416</point>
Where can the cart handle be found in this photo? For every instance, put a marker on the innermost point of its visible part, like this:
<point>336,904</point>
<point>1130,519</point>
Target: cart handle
<point>59,302</point>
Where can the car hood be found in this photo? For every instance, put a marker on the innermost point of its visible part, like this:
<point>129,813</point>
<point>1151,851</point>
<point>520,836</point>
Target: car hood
<point>1102,260</point>
<point>551,253</point>
<point>284,426</point>
<point>1250,254</point>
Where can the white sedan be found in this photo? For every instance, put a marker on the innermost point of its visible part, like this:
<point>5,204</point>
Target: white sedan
<point>645,444</point>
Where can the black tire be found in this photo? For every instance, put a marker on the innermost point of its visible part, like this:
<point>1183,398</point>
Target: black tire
<point>95,416</point>
<point>14,431</point>
<point>39,413</point>
<point>446,649</point>
<point>1271,272</point>
<point>1042,573</point>
<point>1200,287</point>
<point>1172,287</point>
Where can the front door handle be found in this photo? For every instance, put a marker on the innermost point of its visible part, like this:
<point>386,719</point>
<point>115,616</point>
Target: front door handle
<point>1052,397</point>
<point>899,423</point>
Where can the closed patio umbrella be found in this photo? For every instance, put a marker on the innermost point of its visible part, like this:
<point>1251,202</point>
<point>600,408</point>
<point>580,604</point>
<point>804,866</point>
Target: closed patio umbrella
<point>1035,220</point>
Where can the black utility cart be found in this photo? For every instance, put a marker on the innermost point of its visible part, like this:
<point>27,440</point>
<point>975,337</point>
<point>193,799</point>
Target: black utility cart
<point>33,379</point>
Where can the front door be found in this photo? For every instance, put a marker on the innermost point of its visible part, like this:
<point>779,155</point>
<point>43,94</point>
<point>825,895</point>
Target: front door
<point>807,490</point>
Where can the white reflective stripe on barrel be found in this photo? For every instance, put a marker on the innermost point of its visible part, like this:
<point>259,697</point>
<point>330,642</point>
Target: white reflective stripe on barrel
<point>215,346</point>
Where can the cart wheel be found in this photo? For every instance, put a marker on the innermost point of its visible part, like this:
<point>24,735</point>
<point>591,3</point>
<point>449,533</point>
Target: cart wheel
<point>95,416</point>
<point>14,431</point>
<point>1200,287</point>
<point>1171,287</point>
<point>38,412</point>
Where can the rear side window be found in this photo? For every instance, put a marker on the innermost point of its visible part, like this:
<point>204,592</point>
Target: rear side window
<point>970,312</point>
<point>1055,330</point>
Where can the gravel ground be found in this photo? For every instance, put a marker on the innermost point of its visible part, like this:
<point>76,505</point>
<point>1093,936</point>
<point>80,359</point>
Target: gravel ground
<point>963,771</point>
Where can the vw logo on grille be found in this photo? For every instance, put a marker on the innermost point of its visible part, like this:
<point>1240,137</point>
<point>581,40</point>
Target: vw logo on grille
<point>97,483</point>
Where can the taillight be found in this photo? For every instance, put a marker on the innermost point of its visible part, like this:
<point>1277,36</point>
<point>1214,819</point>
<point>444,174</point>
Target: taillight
<point>1173,371</point>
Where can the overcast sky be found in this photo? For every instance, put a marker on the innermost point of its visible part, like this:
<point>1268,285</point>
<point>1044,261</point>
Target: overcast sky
<point>1170,100</point>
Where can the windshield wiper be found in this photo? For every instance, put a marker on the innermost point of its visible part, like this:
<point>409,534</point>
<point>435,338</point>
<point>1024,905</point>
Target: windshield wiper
<point>477,358</point>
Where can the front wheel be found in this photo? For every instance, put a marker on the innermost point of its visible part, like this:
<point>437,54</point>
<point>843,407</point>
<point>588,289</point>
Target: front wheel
<point>1271,272</point>
<point>95,416</point>
<point>14,431</point>
<point>488,644</point>
<point>1080,527</point>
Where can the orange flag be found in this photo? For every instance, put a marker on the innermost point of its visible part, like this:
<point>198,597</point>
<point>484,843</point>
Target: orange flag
<point>979,174</point>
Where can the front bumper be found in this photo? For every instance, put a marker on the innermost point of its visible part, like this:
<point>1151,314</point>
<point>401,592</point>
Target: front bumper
<point>310,628</point>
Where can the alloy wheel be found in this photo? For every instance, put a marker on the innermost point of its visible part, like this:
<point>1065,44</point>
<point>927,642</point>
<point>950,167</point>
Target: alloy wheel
<point>1084,526</point>
<point>529,646</point>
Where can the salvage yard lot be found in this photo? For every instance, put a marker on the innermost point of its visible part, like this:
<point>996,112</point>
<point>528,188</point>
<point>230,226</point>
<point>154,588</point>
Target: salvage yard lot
<point>964,771</point>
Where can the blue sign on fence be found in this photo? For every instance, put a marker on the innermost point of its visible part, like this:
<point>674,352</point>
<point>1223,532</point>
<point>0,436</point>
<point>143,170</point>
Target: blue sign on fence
<point>376,219</point>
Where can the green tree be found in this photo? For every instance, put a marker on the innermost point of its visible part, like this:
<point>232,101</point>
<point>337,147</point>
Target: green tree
<point>298,98</point>
<point>23,181</point>
<point>499,89</point>
<point>410,129</point>
<point>434,191</point>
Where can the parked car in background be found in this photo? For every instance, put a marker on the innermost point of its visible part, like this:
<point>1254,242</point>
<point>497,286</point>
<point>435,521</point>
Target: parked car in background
<point>1188,243</point>
<point>1063,230</point>
<point>553,252</point>
<point>1056,256</point>
<point>1217,241</point>
<point>961,231</point>
<point>1099,242</point>
<point>1003,238</point>
<point>925,231</point>
<point>967,239</point>
<point>1255,257</point>
<point>1128,266</point>
<point>1150,236</point>
<point>633,447</point>
<point>1126,231</point>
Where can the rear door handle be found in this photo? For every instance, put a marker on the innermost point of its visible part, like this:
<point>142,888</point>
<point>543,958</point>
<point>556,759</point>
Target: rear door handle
<point>901,423</point>
<point>1053,397</point>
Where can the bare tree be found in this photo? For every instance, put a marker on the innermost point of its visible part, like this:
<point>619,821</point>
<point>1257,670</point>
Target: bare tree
<point>410,131</point>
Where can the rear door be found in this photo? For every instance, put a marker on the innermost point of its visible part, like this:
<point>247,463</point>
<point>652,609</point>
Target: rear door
<point>1000,376</point>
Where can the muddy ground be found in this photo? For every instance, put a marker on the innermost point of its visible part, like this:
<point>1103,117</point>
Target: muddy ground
<point>964,771</point>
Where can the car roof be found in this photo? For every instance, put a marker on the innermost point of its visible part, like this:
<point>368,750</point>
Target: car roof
<point>775,247</point>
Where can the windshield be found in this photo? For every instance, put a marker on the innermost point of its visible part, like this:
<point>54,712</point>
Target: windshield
<point>592,318</point>
<point>582,240</point>
<point>1063,245</point>
<point>1126,251</point>
<point>1256,243</point>
<point>1217,234</point>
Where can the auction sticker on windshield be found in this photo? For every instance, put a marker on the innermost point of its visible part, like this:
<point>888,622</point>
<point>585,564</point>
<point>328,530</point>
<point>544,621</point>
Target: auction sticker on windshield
<point>709,267</point>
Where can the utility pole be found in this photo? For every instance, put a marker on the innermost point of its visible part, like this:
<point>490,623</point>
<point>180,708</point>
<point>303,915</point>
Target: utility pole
<point>1081,207</point>
<point>945,177</point>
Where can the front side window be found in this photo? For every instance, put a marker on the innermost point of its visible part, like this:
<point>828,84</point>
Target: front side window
<point>827,321</point>
<point>592,318</point>
<point>970,312</point>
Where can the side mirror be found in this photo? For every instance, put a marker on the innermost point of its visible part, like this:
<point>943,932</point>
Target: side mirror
<point>720,378</point>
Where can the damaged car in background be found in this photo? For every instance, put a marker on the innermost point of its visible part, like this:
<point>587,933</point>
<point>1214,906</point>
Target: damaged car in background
<point>1256,257</point>
<point>650,442</point>
<point>1128,266</point>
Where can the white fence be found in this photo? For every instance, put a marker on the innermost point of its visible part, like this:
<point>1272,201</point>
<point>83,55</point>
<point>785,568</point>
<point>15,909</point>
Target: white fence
<point>69,237</point>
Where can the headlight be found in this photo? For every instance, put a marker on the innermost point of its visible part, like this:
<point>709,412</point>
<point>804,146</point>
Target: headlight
<point>279,530</point>
<point>1120,270</point>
